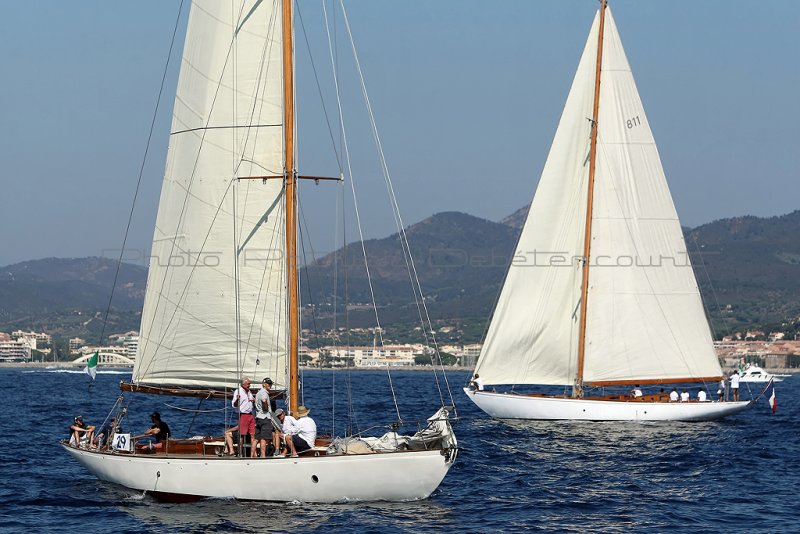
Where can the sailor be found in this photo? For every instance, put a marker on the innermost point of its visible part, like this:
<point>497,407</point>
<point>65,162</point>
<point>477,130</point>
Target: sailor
<point>636,391</point>
<point>264,423</point>
<point>721,389</point>
<point>685,396</point>
<point>243,400</point>
<point>735,385</point>
<point>159,430</point>
<point>477,382</point>
<point>105,433</point>
<point>673,395</point>
<point>701,396</point>
<point>302,435</point>
<point>81,434</point>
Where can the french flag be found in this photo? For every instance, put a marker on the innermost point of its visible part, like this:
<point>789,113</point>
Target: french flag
<point>769,393</point>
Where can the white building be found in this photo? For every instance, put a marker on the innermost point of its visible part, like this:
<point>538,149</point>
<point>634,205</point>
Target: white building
<point>15,350</point>
<point>378,356</point>
<point>34,339</point>
<point>129,340</point>
<point>111,349</point>
<point>467,354</point>
<point>76,343</point>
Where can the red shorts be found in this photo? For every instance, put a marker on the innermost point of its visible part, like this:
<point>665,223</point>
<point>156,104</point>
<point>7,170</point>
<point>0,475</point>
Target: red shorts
<point>247,423</point>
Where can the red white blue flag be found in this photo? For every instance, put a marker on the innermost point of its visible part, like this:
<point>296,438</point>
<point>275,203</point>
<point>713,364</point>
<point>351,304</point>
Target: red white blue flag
<point>769,393</point>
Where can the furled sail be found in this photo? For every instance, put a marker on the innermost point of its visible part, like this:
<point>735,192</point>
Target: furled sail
<point>645,319</point>
<point>215,305</point>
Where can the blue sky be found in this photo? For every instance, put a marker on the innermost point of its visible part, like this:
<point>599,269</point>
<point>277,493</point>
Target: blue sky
<point>467,95</point>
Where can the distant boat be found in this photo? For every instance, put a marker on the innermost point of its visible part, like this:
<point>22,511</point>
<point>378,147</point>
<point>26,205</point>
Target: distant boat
<point>754,374</point>
<point>222,293</point>
<point>601,291</point>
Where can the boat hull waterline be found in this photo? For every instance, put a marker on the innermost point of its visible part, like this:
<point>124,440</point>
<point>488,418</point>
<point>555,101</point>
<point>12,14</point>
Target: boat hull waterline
<point>514,406</point>
<point>400,476</point>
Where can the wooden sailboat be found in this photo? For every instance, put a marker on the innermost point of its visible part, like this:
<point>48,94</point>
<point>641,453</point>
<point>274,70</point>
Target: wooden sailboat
<point>222,291</point>
<point>601,291</point>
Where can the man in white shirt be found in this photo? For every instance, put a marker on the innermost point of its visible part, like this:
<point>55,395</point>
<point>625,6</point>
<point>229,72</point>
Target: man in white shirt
<point>243,401</point>
<point>302,434</point>
<point>685,396</point>
<point>721,389</point>
<point>636,391</point>
<point>735,385</point>
<point>477,382</point>
<point>673,396</point>
<point>701,396</point>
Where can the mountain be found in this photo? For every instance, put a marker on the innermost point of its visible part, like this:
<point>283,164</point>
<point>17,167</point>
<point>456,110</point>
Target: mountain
<point>748,269</point>
<point>517,219</point>
<point>460,261</point>
<point>64,295</point>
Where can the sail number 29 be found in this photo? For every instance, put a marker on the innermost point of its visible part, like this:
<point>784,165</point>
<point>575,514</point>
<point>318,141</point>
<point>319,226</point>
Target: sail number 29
<point>636,121</point>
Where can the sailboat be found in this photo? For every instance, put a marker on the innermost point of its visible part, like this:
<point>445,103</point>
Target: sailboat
<point>601,292</point>
<point>222,290</point>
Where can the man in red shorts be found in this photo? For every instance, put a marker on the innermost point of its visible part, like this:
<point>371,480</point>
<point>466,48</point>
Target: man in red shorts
<point>243,400</point>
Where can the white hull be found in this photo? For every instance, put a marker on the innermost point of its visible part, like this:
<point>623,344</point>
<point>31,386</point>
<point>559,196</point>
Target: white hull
<point>399,476</point>
<point>756,375</point>
<point>512,406</point>
<point>760,379</point>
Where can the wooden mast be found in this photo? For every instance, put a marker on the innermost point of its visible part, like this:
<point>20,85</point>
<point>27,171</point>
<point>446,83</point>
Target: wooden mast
<point>577,390</point>
<point>291,203</point>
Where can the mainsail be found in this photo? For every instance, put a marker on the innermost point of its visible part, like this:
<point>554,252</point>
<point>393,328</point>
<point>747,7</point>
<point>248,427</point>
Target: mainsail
<point>645,319</point>
<point>215,305</point>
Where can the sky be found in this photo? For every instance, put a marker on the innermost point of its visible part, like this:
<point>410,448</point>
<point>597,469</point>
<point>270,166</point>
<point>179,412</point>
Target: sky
<point>466,93</point>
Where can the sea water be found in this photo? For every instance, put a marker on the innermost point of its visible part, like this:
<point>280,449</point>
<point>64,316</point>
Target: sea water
<point>739,474</point>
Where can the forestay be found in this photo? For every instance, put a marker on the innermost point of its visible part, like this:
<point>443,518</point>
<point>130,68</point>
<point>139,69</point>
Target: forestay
<point>645,319</point>
<point>219,241</point>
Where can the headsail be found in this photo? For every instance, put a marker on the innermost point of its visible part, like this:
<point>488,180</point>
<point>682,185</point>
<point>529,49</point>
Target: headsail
<point>219,241</point>
<point>645,319</point>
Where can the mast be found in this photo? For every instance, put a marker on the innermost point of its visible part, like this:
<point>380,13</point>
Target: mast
<point>290,177</point>
<point>577,389</point>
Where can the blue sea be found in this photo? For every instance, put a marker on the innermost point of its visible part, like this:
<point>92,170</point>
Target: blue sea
<point>738,475</point>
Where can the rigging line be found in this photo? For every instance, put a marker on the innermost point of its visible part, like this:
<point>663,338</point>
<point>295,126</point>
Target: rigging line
<point>360,231</point>
<point>319,87</point>
<point>305,264</point>
<point>405,246</point>
<point>232,127</point>
<point>194,410</point>
<point>189,186</point>
<point>393,199</point>
<point>339,209</point>
<point>352,416</point>
<point>725,325</point>
<point>268,274</point>
<point>341,199</point>
<point>141,169</point>
<point>236,301</point>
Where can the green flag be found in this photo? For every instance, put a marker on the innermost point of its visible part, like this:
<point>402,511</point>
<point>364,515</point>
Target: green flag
<point>91,365</point>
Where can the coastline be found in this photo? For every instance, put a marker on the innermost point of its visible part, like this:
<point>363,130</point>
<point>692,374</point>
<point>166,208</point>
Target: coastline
<point>418,368</point>
<point>71,365</point>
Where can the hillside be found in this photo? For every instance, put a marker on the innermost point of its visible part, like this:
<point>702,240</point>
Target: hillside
<point>460,261</point>
<point>751,266</point>
<point>62,296</point>
<point>748,269</point>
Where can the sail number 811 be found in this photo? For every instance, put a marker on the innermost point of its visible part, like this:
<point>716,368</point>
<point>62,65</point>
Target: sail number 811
<point>636,121</point>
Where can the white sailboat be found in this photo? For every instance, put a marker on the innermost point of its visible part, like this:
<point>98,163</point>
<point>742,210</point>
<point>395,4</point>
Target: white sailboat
<point>601,290</point>
<point>222,290</point>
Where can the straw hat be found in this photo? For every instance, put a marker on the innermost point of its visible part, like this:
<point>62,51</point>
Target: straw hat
<point>302,411</point>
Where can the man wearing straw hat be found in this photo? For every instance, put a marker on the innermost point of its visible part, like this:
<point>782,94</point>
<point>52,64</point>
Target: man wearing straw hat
<point>303,433</point>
